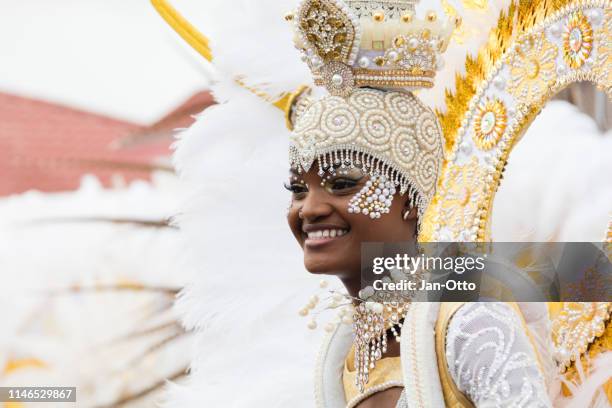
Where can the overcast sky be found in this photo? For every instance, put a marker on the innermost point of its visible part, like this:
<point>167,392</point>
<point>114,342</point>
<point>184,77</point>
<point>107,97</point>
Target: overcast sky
<point>115,57</point>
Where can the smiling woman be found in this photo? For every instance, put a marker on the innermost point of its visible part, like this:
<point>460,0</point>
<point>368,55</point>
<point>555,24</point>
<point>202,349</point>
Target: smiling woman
<point>330,233</point>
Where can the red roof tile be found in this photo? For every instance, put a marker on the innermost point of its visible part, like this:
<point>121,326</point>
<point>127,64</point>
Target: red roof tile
<point>164,129</point>
<point>49,147</point>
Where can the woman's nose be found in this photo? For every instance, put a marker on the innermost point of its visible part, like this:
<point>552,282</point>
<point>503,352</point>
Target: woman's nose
<point>315,205</point>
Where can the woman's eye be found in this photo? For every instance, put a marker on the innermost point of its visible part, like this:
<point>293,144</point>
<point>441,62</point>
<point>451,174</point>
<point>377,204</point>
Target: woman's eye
<point>342,184</point>
<point>296,188</point>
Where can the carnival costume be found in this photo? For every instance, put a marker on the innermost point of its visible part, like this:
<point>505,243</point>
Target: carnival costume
<point>370,56</point>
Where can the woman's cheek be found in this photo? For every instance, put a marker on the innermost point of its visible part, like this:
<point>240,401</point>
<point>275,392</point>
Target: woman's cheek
<point>294,222</point>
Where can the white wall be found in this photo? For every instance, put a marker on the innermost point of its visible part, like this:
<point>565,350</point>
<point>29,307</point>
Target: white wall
<point>115,57</point>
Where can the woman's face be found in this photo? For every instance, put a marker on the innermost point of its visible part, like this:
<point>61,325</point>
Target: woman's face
<point>330,236</point>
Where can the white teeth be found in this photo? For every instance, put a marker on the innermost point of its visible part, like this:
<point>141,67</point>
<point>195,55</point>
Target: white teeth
<point>326,234</point>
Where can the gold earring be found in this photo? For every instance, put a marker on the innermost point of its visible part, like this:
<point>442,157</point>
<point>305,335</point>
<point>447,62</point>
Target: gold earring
<point>406,214</point>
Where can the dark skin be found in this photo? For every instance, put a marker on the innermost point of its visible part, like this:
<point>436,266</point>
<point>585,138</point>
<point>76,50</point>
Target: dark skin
<point>315,207</point>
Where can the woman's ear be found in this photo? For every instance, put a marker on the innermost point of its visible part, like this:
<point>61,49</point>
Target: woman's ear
<point>409,212</point>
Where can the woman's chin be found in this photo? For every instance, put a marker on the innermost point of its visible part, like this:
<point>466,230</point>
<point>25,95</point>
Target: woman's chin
<point>321,267</point>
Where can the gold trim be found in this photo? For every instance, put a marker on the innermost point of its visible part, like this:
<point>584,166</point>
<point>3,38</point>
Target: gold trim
<point>182,27</point>
<point>391,82</point>
<point>384,82</point>
<point>288,101</point>
<point>604,49</point>
<point>393,73</point>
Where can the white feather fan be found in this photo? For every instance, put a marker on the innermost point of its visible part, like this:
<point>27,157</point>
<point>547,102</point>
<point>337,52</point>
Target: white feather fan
<point>89,287</point>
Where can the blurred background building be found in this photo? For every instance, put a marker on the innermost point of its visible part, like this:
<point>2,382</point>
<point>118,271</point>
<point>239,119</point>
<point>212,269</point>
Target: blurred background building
<point>48,147</point>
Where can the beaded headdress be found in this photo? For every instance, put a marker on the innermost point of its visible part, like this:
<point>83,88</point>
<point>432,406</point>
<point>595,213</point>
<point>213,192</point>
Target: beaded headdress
<point>370,55</point>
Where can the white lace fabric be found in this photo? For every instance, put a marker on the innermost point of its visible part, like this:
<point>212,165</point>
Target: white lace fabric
<point>491,359</point>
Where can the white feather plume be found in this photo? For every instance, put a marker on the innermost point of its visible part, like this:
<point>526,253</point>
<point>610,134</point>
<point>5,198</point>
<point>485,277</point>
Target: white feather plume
<point>251,281</point>
<point>60,254</point>
<point>587,390</point>
<point>250,40</point>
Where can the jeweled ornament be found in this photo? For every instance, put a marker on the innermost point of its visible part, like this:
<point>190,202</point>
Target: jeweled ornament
<point>490,124</point>
<point>338,78</point>
<point>577,40</point>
